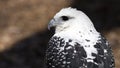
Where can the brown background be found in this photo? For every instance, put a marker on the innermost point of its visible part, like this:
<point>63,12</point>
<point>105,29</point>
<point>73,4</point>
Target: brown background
<point>24,34</point>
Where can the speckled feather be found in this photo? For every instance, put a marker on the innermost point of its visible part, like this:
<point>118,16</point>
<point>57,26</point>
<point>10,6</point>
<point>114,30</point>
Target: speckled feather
<point>76,43</point>
<point>74,56</point>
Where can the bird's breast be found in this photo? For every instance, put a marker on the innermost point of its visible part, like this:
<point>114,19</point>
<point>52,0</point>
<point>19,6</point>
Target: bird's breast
<point>65,53</point>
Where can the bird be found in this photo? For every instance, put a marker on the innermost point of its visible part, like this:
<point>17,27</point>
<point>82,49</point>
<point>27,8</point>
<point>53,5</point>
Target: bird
<point>76,43</point>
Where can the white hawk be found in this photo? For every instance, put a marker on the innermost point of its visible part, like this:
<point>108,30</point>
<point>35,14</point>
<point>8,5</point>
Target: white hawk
<point>76,43</point>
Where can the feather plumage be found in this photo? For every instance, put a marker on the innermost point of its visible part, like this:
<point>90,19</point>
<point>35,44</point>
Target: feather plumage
<point>76,43</point>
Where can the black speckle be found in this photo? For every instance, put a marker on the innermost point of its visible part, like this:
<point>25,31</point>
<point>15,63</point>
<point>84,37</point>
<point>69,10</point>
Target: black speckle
<point>93,54</point>
<point>54,37</point>
<point>87,40</point>
<point>87,45</point>
<point>77,43</point>
<point>97,46</point>
<point>80,50</point>
<point>67,44</point>
<point>90,30</point>
<point>70,40</point>
<point>92,65</point>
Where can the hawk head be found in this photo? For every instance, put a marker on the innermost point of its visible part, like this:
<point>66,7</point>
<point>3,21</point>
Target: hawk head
<point>70,19</point>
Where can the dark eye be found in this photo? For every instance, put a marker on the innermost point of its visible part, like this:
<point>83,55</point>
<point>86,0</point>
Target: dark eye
<point>65,18</point>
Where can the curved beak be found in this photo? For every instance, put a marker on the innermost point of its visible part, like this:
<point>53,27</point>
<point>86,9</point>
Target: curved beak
<point>51,24</point>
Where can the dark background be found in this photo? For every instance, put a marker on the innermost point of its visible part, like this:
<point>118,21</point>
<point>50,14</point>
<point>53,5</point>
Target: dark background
<point>23,28</point>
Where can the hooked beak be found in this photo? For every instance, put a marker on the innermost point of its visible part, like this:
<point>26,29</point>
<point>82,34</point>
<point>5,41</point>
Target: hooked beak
<point>51,24</point>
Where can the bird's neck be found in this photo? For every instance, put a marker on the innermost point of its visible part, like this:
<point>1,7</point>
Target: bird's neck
<point>77,33</point>
<point>74,28</point>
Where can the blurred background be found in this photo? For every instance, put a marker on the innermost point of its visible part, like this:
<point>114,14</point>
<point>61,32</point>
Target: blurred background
<point>24,34</point>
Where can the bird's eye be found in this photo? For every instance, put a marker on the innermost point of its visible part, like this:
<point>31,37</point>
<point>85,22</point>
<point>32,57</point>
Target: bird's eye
<point>65,18</point>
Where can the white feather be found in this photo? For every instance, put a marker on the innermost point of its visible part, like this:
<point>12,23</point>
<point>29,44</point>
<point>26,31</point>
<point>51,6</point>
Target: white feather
<point>79,29</point>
